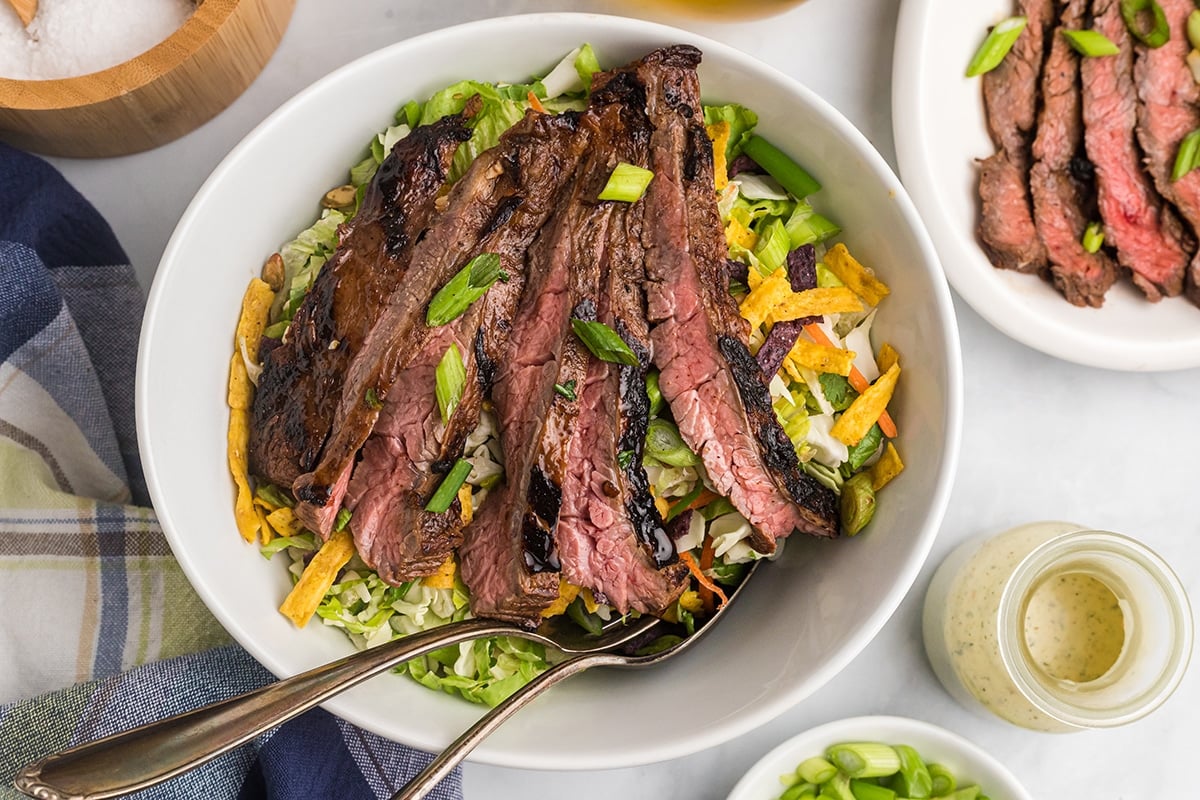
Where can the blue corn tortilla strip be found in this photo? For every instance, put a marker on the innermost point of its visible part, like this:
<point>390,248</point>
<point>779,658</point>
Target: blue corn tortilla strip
<point>802,268</point>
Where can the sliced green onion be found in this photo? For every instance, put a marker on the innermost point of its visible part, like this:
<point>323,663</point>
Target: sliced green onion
<point>913,780</point>
<point>995,47</point>
<point>604,342</point>
<point>864,759</point>
<point>1091,43</point>
<point>681,505</point>
<point>964,793</point>
<point>372,398</point>
<point>1193,29</point>
<point>815,770</point>
<point>342,519</point>
<point>837,788</point>
<point>450,378</point>
<point>941,780</point>
<point>1159,32</point>
<point>772,247</point>
<point>468,285</point>
<point>1093,237</point>
<point>567,390</point>
<point>805,226</point>
<point>663,443</point>
<point>625,458</point>
<point>781,167</point>
<point>800,791</point>
<point>273,495</point>
<point>447,490</point>
<point>627,183</point>
<point>1188,157</point>
<point>865,790</point>
<point>654,393</point>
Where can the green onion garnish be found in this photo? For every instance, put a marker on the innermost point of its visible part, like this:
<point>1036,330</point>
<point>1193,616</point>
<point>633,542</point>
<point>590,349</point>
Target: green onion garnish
<point>342,519</point>
<point>805,226</point>
<point>449,379</point>
<point>654,393</point>
<point>372,398</point>
<point>995,47</point>
<point>773,245</point>
<point>1193,29</point>
<point>1188,157</point>
<point>567,390</point>
<point>1091,43</point>
<point>625,458</point>
<point>913,780</point>
<point>1159,32</point>
<point>627,183</point>
<point>1093,237</point>
<point>942,780</point>
<point>815,770</point>
<point>468,285</point>
<point>604,342</point>
<point>663,443</point>
<point>443,498</point>
<point>781,167</point>
<point>864,759</point>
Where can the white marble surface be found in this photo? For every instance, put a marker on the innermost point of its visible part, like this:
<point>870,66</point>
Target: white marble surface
<point>1042,439</point>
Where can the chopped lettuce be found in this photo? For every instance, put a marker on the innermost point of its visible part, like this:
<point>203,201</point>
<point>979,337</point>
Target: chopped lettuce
<point>741,123</point>
<point>586,65</point>
<point>303,257</point>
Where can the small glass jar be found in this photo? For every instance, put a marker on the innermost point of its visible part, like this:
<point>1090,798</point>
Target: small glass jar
<point>1057,628</point>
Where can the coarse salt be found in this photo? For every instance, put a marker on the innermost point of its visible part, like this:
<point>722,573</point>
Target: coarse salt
<point>68,38</point>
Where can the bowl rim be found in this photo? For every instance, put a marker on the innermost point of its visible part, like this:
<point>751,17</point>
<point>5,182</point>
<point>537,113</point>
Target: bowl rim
<point>874,728</point>
<point>17,94</point>
<point>877,166</point>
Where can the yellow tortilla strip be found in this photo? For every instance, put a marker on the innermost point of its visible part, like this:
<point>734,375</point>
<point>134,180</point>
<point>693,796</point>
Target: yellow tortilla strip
<point>301,603</point>
<point>864,412</point>
<point>738,234</point>
<point>241,390</point>
<point>857,277</point>
<point>589,601</point>
<point>887,356</point>
<point>820,358</point>
<point>765,297</point>
<point>266,533</point>
<point>816,303</point>
<point>567,592</point>
<point>256,306</point>
<point>244,510</point>
<point>444,577</point>
<point>285,522</point>
<point>719,134</point>
<point>887,467</point>
<point>467,512</point>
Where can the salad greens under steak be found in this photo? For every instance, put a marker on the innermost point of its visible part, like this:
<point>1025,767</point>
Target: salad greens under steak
<point>764,224</point>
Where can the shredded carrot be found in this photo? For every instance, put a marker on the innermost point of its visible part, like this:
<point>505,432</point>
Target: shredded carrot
<point>704,581</point>
<point>535,103</point>
<point>703,499</point>
<point>707,556</point>
<point>857,379</point>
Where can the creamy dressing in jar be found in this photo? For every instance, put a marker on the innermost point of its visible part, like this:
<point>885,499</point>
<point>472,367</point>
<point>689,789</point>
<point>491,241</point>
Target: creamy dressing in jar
<point>1057,628</point>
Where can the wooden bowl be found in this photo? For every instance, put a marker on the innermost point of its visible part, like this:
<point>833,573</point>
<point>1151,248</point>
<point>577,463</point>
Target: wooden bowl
<point>154,98</point>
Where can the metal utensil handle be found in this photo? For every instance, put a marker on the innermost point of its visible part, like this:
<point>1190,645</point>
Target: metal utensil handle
<point>453,755</point>
<point>150,754</point>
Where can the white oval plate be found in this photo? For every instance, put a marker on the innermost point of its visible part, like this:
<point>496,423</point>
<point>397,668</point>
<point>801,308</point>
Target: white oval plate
<point>808,614</point>
<point>938,122</point>
<point>966,761</point>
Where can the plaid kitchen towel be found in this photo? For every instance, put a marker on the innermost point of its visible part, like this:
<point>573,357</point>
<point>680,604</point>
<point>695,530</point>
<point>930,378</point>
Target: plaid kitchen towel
<point>90,597</point>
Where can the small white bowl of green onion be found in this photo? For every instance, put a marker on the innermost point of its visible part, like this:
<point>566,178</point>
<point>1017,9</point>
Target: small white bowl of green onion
<point>878,758</point>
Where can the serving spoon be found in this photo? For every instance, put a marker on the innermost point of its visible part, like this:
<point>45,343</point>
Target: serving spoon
<point>453,755</point>
<point>150,754</point>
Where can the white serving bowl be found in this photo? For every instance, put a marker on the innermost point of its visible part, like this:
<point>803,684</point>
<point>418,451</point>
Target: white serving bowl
<point>968,762</point>
<point>807,615</point>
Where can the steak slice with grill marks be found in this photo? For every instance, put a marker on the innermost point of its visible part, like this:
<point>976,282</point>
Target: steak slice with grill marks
<point>508,557</point>
<point>540,150</point>
<point>610,536</point>
<point>1147,234</point>
<point>1010,98</point>
<point>1169,109</point>
<point>1064,197</point>
<point>717,394</point>
<point>301,381</point>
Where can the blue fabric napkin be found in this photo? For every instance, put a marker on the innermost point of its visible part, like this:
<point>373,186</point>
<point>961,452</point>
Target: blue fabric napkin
<point>89,593</point>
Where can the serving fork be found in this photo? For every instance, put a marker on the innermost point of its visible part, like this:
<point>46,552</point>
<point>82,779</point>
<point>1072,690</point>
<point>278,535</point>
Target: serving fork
<point>152,753</point>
